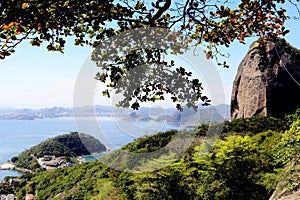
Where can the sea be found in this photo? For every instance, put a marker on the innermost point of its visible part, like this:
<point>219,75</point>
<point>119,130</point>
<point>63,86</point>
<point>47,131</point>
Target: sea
<point>19,135</point>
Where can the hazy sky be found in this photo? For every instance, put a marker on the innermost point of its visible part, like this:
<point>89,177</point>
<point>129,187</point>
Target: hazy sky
<point>33,77</point>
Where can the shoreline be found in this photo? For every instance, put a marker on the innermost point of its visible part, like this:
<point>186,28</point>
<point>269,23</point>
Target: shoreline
<point>7,166</point>
<point>11,166</point>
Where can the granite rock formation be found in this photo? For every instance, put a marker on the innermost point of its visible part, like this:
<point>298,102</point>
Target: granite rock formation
<point>267,82</point>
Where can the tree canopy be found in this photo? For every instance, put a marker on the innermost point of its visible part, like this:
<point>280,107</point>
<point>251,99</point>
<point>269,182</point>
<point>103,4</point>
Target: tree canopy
<point>210,24</point>
<point>69,145</point>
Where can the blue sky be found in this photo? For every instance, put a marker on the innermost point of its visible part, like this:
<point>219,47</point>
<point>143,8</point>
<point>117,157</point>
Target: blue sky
<point>33,77</point>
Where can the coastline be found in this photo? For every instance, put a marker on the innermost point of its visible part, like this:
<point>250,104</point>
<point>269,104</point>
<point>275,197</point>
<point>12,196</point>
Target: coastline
<point>7,166</point>
<point>11,166</point>
<point>42,129</point>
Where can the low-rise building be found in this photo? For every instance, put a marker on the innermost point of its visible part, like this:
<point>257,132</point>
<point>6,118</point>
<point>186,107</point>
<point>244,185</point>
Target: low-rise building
<point>52,162</point>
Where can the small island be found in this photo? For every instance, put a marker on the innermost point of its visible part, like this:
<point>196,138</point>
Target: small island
<point>61,151</point>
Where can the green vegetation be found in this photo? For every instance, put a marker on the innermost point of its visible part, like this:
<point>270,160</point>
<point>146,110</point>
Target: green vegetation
<point>248,161</point>
<point>150,143</point>
<point>69,145</point>
<point>247,126</point>
<point>89,22</point>
<point>293,117</point>
<point>289,49</point>
<point>255,125</point>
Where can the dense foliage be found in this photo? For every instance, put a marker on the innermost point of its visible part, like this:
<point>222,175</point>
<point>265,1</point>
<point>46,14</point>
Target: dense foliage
<point>151,143</point>
<point>290,118</point>
<point>256,124</point>
<point>250,126</point>
<point>219,22</point>
<point>69,145</point>
<point>237,166</point>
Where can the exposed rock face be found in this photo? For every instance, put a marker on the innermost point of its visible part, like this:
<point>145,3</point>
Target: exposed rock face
<point>287,196</point>
<point>267,82</point>
<point>288,187</point>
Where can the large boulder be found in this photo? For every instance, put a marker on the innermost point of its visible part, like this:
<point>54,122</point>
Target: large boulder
<point>267,82</point>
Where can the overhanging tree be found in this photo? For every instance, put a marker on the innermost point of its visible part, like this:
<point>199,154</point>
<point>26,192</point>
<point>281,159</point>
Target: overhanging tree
<point>211,24</point>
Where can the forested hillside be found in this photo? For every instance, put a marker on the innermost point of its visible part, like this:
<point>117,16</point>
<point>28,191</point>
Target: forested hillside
<point>247,161</point>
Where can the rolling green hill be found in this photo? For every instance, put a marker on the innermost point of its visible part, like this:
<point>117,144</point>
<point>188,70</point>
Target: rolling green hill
<point>69,145</point>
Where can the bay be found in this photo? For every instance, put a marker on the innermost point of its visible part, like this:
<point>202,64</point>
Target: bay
<point>4,173</point>
<point>19,135</point>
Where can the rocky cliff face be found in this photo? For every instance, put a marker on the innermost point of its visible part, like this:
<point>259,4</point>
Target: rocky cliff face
<point>267,82</point>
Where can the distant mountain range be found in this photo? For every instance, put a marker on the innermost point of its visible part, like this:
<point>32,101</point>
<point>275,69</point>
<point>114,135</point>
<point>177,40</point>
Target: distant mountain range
<point>171,115</point>
<point>54,112</point>
<point>206,114</point>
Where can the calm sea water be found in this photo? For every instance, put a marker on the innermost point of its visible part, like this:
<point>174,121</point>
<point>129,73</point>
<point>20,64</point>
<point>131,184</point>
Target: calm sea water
<point>18,135</point>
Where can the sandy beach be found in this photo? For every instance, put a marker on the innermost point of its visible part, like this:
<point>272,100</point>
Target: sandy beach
<point>7,166</point>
